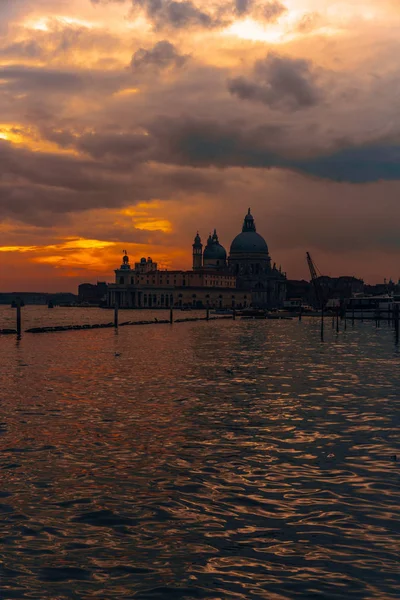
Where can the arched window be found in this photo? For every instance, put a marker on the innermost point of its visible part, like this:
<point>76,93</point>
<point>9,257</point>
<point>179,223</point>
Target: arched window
<point>121,281</point>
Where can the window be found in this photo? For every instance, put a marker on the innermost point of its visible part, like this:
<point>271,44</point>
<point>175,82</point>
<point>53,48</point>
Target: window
<point>131,280</point>
<point>121,280</point>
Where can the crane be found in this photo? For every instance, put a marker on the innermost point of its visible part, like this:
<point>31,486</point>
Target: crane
<point>318,290</point>
<point>319,294</point>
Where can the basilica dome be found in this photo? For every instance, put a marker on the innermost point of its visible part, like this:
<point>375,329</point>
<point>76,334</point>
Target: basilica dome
<point>249,241</point>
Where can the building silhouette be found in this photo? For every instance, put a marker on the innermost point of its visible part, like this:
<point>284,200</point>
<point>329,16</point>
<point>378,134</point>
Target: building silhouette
<point>239,280</point>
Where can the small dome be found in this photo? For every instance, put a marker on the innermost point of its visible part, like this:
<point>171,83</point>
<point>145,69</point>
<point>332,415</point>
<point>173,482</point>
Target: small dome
<point>249,242</point>
<point>214,252</point>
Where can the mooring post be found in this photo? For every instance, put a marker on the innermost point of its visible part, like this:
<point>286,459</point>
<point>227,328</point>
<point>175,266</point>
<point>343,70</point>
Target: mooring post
<point>18,306</point>
<point>301,308</point>
<point>333,321</point>
<point>208,314</point>
<point>171,315</point>
<point>352,317</point>
<point>116,315</point>
<point>396,322</point>
<point>322,325</point>
<point>234,314</point>
<point>337,319</point>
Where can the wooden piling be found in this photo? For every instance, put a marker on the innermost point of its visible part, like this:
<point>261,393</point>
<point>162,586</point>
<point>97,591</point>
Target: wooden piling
<point>116,315</point>
<point>322,325</point>
<point>234,314</point>
<point>396,322</point>
<point>171,315</point>
<point>300,312</point>
<point>337,319</point>
<point>208,314</point>
<point>18,306</point>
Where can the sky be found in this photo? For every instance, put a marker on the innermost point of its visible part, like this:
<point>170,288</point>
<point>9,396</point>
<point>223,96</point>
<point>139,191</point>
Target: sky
<point>133,124</point>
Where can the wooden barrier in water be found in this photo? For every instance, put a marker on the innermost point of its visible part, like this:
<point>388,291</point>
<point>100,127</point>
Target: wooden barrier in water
<point>392,315</point>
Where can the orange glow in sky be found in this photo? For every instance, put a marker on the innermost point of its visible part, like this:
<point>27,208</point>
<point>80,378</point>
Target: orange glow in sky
<point>132,128</point>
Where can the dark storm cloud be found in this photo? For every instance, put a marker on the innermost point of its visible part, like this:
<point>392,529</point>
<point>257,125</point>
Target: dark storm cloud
<point>177,15</point>
<point>42,92</point>
<point>357,164</point>
<point>39,188</point>
<point>126,146</point>
<point>260,10</point>
<point>33,78</point>
<point>279,82</point>
<point>162,55</point>
<point>184,14</point>
<point>207,142</point>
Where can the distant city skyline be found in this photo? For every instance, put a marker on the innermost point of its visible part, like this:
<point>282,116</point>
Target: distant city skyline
<point>128,127</point>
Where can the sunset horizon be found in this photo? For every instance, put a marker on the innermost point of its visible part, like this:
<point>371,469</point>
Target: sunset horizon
<point>133,124</point>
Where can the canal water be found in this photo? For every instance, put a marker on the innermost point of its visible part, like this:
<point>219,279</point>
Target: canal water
<point>221,460</point>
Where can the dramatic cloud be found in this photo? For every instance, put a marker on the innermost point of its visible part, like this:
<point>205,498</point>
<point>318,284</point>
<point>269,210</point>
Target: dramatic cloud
<point>202,15</point>
<point>132,124</point>
<point>279,82</point>
<point>263,11</point>
<point>162,56</point>
<point>177,15</point>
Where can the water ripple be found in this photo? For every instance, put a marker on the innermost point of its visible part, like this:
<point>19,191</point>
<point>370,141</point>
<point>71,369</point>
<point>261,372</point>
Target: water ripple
<point>211,460</point>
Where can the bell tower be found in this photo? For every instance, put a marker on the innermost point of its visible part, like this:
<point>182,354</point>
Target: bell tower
<point>197,253</point>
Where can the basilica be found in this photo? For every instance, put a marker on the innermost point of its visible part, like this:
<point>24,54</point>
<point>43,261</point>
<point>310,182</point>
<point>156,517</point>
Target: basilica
<point>242,279</point>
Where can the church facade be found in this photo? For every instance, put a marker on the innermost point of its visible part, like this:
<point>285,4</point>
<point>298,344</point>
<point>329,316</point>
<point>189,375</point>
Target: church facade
<point>242,279</point>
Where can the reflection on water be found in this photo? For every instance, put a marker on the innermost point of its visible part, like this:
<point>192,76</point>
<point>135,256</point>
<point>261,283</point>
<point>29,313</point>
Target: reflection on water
<point>206,460</point>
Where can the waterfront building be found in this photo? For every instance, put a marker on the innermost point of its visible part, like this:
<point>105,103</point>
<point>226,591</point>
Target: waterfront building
<point>94,294</point>
<point>244,278</point>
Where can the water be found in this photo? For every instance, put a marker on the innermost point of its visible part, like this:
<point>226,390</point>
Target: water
<point>230,459</point>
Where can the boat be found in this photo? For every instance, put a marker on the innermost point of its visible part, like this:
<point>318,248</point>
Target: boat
<point>222,311</point>
<point>371,307</point>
